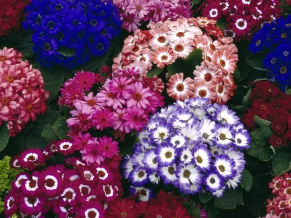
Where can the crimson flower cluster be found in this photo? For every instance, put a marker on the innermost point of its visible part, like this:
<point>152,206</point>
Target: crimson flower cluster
<point>165,205</point>
<point>280,204</point>
<point>11,14</point>
<point>72,189</point>
<point>22,94</point>
<point>244,17</point>
<point>269,103</point>
<point>123,103</point>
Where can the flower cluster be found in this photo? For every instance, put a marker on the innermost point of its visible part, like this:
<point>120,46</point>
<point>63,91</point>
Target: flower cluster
<point>280,204</point>
<point>134,12</point>
<point>244,17</point>
<point>123,103</point>
<point>269,103</point>
<point>22,94</point>
<point>193,145</point>
<point>69,32</point>
<point>165,205</point>
<point>274,37</point>
<point>11,14</point>
<point>75,188</point>
<point>7,175</point>
<point>165,42</point>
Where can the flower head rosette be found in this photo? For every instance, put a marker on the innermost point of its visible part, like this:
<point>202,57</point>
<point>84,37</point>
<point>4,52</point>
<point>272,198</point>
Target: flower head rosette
<point>69,33</point>
<point>22,94</point>
<point>123,103</point>
<point>72,187</point>
<point>11,14</point>
<point>175,47</point>
<point>274,40</point>
<point>243,17</point>
<point>193,145</point>
<point>135,13</point>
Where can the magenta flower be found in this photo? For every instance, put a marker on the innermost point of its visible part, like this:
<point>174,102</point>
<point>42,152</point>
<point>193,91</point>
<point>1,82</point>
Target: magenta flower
<point>85,80</point>
<point>135,118</point>
<point>107,146</point>
<point>92,154</point>
<point>31,158</point>
<point>50,182</point>
<point>91,209</point>
<point>103,119</point>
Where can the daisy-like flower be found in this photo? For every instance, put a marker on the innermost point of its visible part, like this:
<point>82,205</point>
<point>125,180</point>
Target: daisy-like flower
<point>103,119</point>
<point>154,177</point>
<point>85,79</point>
<point>241,24</point>
<point>70,195</point>
<point>182,50</point>
<point>127,166</point>
<point>242,139</point>
<point>91,209</point>
<point>107,146</point>
<point>169,174</point>
<point>207,131</point>
<point>31,158</point>
<point>178,88</point>
<point>207,72</point>
<point>10,203</point>
<point>65,147</point>
<point>159,38</point>
<point>186,156</point>
<point>50,182</point>
<point>92,154</point>
<point>225,166</point>
<point>105,176</point>
<point>187,175</point>
<point>138,176</point>
<point>89,103</point>
<point>163,56</point>
<point>161,133</point>
<point>225,136</point>
<point>122,208</point>
<point>203,90</point>
<point>202,157</point>
<point>31,205</point>
<point>227,116</point>
<point>144,194</point>
<point>166,155</point>
<point>226,58</point>
<point>135,118</point>
<point>178,140</point>
<point>150,160</point>
<point>213,181</point>
<point>137,96</point>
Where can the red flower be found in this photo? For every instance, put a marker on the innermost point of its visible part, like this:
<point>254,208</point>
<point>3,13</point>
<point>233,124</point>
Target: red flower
<point>248,119</point>
<point>263,90</point>
<point>277,141</point>
<point>262,109</point>
<point>279,125</point>
<point>123,208</point>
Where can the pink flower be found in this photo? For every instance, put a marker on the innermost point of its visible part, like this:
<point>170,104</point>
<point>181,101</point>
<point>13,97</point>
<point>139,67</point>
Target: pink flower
<point>30,107</point>
<point>31,205</point>
<point>107,146</point>
<point>138,96</point>
<point>92,154</point>
<point>130,22</point>
<point>85,80</point>
<point>119,121</point>
<point>81,140</point>
<point>89,103</point>
<point>103,119</point>
<point>120,86</point>
<point>8,102</point>
<point>135,118</point>
<point>31,158</point>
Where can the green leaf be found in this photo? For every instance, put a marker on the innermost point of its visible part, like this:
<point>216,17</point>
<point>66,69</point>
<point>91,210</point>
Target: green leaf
<point>256,61</point>
<point>176,67</point>
<point>230,199</point>
<point>243,52</point>
<point>245,100</point>
<point>288,92</point>
<point>4,136</point>
<point>246,180</point>
<point>154,71</point>
<point>236,76</point>
<point>196,2</point>
<point>192,60</point>
<point>261,122</point>
<point>192,208</point>
<point>53,80</point>
<point>221,23</point>
<point>211,210</point>
<point>61,128</point>
<point>259,146</point>
<point>67,52</point>
<point>204,198</point>
<point>48,133</point>
<point>281,161</point>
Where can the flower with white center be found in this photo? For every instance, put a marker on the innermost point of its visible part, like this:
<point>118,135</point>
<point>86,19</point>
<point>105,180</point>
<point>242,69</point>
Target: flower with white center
<point>150,160</point>
<point>108,190</point>
<point>178,140</point>
<point>191,132</point>
<point>139,176</point>
<point>188,174</point>
<point>225,135</point>
<point>186,156</point>
<point>102,173</point>
<point>168,174</point>
<point>238,158</point>
<point>202,157</point>
<point>227,116</point>
<point>242,139</point>
<point>225,166</point>
<point>166,154</point>
<point>161,133</point>
<point>213,182</point>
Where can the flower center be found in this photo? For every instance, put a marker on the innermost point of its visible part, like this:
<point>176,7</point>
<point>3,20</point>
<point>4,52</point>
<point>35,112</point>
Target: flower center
<point>212,180</point>
<point>222,136</point>
<point>59,7</point>
<point>135,48</point>
<point>110,95</point>
<point>212,47</point>
<point>208,58</point>
<point>220,89</point>
<point>171,170</point>
<point>91,102</point>
<point>162,135</point>
<point>199,159</point>
<point>284,35</point>
<point>263,107</point>
<point>75,22</point>
<point>31,200</point>
<point>31,158</point>
<point>161,39</point>
<point>93,22</point>
<point>239,141</point>
<point>32,183</point>
<point>168,154</point>
<point>137,96</point>
<point>69,195</point>
<point>49,183</point>
<point>92,214</point>
<point>180,87</point>
<point>51,24</point>
<point>140,174</point>
<point>11,202</point>
<point>207,77</point>
<point>101,173</point>
<point>202,93</point>
<point>123,214</point>
<point>179,48</point>
<point>84,190</point>
<point>186,174</point>
<point>283,70</point>
<point>107,190</point>
<point>180,34</point>
<point>222,63</point>
<point>3,58</point>
<point>5,101</point>
<point>100,46</point>
<point>273,60</point>
<point>258,42</point>
<point>164,57</point>
<point>29,107</point>
<point>278,126</point>
<point>221,168</point>
<point>47,46</point>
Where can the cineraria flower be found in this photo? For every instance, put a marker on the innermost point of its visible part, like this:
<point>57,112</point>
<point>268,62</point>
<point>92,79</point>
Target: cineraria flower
<point>31,158</point>
<point>107,146</point>
<point>201,155</point>
<point>70,40</point>
<point>144,194</point>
